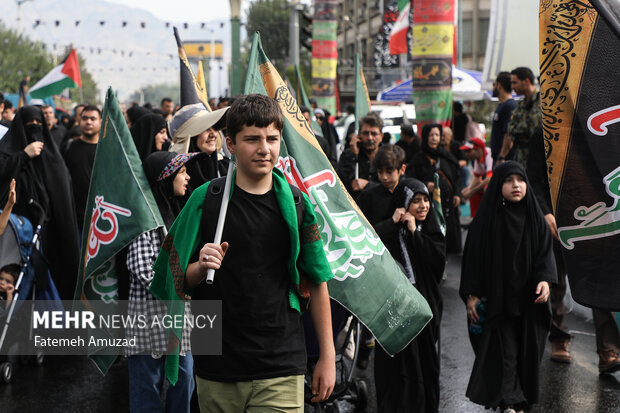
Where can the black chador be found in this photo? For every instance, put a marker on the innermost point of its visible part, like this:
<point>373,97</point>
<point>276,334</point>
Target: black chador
<point>507,253</point>
<point>44,179</point>
<point>424,165</point>
<point>409,381</point>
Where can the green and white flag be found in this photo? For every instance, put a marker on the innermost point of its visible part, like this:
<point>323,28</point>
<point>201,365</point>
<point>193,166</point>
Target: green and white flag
<point>120,207</point>
<point>367,280</point>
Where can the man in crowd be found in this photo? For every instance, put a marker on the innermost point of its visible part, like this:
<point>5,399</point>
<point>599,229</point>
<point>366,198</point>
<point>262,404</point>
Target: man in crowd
<point>355,165</point>
<point>408,142</point>
<point>8,113</point>
<point>502,114</point>
<point>526,117</point>
<point>167,107</point>
<point>80,157</point>
<point>3,127</point>
<point>58,132</point>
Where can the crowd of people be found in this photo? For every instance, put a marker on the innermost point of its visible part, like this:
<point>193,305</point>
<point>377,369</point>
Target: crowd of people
<point>513,279</point>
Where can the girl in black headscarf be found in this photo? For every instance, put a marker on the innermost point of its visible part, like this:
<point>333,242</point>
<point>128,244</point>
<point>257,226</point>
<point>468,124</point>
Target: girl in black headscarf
<point>150,134</point>
<point>29,154</point>
<point>435,159</point>
<point>168,178</point>
<point>409,381</point>
<point>507,264</point>
<point>211,165</point>
<point>134,113</point>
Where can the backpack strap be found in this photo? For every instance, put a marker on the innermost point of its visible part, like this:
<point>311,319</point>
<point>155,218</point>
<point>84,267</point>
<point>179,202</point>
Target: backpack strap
<point>213,201</point>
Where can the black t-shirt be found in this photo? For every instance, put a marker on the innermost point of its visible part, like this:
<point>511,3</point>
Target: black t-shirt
<point>262,335</point>
<point>79,158</point>
<point>501,117</point>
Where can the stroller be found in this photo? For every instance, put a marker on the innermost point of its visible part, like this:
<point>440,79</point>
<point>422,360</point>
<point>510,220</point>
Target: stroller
<point>19,245</point>
<point>347,334</point>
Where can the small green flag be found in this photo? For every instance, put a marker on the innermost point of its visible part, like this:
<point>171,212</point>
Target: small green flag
<point>362,101</point>
<point>367,280</point>
<point>120,207</point>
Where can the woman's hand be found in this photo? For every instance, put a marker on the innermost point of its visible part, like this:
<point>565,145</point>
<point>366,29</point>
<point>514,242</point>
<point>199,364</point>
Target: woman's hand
<point>472,314</point>
<point>34,149</point>
<point>542,290</point>
<point>12,195</point>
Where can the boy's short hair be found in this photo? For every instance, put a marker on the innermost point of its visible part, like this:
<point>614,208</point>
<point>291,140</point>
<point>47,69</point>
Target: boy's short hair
<point>372,120</point>
<point>253,110</point>
<point>12,269</point>
<point>389,157</point>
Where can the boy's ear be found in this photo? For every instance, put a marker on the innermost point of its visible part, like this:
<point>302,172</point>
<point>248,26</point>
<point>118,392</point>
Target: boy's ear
<point>230,144</point>
<point>403,169</point>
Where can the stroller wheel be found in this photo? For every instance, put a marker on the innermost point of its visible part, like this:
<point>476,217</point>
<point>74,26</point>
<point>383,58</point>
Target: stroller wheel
<point>6,369</point>
<point>39,358</point>
<point>361,390</point>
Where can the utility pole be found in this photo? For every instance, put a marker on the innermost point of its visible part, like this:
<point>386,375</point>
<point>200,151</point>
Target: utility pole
<point>293,34</point>
<point>235,23</point>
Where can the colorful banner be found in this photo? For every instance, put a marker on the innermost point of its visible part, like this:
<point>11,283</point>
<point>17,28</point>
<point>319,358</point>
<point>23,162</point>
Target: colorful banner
<point>579,50</point>
<point>120,207</point>
<point>367,280</point>
<point>432,54</point>
<point>382,56</point>
<point>324,54</point>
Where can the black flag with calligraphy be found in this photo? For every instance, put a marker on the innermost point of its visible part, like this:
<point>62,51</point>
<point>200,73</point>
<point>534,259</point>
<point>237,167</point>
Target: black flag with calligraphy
<point>580,99</point>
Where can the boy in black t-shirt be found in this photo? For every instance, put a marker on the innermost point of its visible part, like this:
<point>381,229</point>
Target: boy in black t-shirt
<point>265,266</point>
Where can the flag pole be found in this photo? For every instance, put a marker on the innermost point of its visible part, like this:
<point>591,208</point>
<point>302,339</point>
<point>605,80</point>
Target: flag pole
<point>222,218</point>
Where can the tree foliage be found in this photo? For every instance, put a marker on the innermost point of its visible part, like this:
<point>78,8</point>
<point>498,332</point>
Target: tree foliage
<point>21,57</point>
<point>271,19</point>
<point>155,93</point>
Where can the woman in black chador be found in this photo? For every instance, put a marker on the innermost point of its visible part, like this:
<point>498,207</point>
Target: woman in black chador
<point>435,159</point>
<point>507,265</point>
<point>29,154</point>
<point>212,164</point>
<point>409,381</point>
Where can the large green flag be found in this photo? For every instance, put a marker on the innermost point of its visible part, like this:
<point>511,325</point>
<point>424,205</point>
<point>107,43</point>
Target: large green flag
<point>301,95</point>
<point>120,207</point>
<point>367,280</point>
<point>362,101</point>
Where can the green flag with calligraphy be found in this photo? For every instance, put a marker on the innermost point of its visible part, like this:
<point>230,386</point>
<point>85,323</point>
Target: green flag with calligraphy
<point>120,207</point>
<point>367,280</point>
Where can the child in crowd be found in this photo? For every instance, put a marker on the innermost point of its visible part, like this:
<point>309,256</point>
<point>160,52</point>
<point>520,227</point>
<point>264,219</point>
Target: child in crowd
<point>167,176</point>
<point>508,264</point>
<point>265,269</point>
<point>8,277</point>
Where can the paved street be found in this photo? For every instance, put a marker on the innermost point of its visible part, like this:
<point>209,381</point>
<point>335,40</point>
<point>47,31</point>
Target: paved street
<point>71,384</point>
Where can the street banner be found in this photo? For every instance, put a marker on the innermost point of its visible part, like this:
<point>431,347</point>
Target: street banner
<point>64,76</point>
<point>362,100</point>
<point>579,50</point>
<point>324,54</point>
<point>367,280</point>
<point>398,34</point>
<point>191,90</point>
<point>432,52</point>
<point>120,207</point>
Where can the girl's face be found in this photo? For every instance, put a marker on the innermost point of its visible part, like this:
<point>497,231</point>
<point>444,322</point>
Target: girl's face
<point>433,138</point>
<point>179,185</point>
<point>419,207</point>
<point>207,141</point>
<point>160,138</point>
<point>514,188</point>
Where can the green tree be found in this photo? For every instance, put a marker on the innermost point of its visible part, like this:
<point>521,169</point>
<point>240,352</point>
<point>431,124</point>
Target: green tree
<point>21,57</point>
<point>271,19</point>
<point>155,93</point>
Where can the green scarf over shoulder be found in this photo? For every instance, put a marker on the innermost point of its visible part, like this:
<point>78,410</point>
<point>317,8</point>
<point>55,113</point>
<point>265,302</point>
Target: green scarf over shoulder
<point>307,261</point>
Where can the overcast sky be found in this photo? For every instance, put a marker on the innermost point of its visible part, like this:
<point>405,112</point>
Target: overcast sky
<point>184,10</point>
